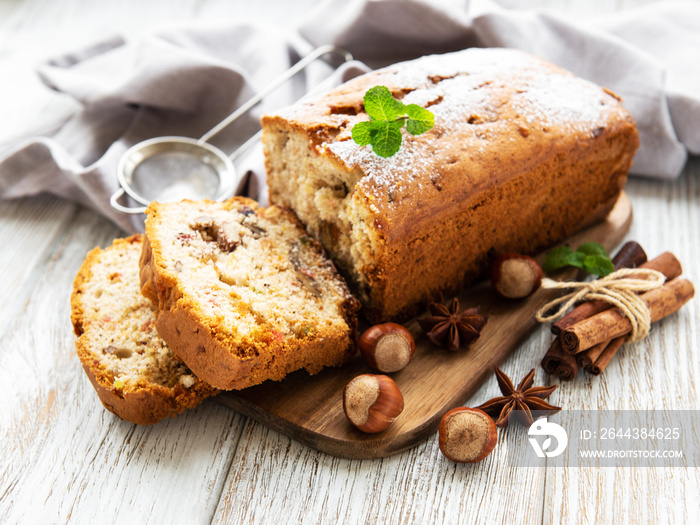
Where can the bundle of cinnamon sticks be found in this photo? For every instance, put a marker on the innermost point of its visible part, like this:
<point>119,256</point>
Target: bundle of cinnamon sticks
<point>590,335</point>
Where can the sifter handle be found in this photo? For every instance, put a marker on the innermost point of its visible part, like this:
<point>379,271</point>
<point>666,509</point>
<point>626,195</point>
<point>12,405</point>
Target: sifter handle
<point>131,211</point>
<point>316,53</point>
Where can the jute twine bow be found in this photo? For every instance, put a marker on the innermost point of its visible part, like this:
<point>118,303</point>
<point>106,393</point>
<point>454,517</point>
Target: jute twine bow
<point>619,288</point>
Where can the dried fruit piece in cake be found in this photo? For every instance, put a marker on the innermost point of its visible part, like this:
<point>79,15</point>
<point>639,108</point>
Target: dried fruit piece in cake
<point>243,294</point>
<point>134,373</point>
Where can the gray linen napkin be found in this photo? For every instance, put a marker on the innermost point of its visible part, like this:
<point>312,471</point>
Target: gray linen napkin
<point>648,56</point>
<point>185,80</point>
<point>181,82</point>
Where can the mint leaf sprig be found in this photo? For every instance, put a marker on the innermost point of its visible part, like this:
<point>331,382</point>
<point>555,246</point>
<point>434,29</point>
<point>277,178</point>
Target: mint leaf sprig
<point>388,115</point>
<point>590,257</point>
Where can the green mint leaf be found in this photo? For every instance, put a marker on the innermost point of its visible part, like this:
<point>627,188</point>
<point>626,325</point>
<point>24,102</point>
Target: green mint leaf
<point>592,248</point>
<point>557,258</point>
<point>600,265</point>
<point>590,257</point>
<point>386,138</point>
<point>381,105</point>
<point>387,117</point>
<point>597,261</point>
<point>362,132</point>
<point>562,256</point>
<point>420,119</point>
<point>577,259</point>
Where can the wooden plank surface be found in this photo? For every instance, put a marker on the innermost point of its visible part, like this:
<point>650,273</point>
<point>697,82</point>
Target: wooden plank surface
<point>63,458</point>
<point>309,408</point>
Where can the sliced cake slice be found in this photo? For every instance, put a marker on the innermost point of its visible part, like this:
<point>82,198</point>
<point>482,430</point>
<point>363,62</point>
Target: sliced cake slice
<point>243,294</point>
<point>134,373</point>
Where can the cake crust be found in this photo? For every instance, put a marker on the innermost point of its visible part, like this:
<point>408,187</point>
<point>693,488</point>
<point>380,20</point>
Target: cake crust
<point>228,339</point>
<point>143,400</point>
<point>522,154</point>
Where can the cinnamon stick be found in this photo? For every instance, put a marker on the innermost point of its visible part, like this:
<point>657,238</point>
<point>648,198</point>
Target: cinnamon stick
<point>586,358</point>
<point>630,255</point>
<point>559,362</point>
<point>606,356</point>
<point>666,263</point>
<point>562,363</point>
<point>611,323</point>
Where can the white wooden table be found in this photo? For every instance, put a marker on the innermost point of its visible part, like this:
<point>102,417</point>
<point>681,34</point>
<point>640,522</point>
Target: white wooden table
<point>63,458</point>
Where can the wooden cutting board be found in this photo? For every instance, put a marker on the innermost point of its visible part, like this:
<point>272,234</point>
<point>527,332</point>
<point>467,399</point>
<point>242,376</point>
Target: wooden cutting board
<point>309,408</point>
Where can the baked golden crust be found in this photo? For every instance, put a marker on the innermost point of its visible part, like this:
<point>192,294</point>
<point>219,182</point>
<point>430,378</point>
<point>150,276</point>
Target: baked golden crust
<point>228,335</point>
<point>104,303</point>
<point>147,405</point>
<point>521,154</point>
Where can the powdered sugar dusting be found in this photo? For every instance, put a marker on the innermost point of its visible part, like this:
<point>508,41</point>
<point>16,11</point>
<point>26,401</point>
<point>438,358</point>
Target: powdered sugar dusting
<point>475,86</point>
<point>404,166</point>
<point>562,100</point>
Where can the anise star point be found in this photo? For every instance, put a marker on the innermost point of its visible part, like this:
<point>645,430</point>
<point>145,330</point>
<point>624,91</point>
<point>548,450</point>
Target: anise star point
<point>451,328</point>
<point>521,400</point>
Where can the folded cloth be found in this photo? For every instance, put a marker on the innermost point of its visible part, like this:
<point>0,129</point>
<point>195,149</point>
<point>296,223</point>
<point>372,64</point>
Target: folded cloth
<point>185,80</point>
<point>181,81</point>
<point>649,56</point>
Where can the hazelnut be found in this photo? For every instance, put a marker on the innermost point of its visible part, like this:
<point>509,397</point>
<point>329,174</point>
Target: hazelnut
<point>515,276</point>
<point>228,237</point>
<point>387,347</point>
<point>467,435</point>
<point>372,402</point>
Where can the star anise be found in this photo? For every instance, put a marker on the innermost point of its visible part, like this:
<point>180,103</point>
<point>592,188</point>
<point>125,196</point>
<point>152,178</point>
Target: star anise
<point>450,328</point>
<point>523,399</point>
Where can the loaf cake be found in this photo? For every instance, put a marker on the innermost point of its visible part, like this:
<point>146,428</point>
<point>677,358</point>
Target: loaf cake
<point>134,373</point>
<point>243,294</point>
<point>521,155</point>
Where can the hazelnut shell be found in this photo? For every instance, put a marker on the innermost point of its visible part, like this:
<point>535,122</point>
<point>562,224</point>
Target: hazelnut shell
<point>467,435</point>
<point>515,276</point>
<point>372,402</point>
<point>387,347</point>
